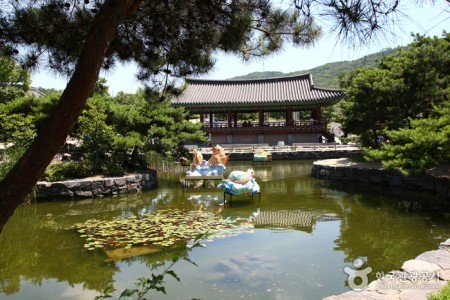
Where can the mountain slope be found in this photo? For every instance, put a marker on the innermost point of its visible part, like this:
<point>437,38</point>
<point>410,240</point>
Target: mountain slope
<point>327,75</point>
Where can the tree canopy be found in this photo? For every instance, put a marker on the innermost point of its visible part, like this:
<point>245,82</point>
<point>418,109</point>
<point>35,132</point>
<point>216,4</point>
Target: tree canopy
<point>404,87</point>
<point>425,144</point>
<point>14,80</point>
<point>164,38</point>
<point>400,109</point>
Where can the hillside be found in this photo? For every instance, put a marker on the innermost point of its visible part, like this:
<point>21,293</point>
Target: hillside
<point>326,75</point>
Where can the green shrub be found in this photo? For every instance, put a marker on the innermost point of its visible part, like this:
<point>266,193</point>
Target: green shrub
<point>443,294</point>
<point>67,170</point>
<point>112,169</point>
<point>8,159</point>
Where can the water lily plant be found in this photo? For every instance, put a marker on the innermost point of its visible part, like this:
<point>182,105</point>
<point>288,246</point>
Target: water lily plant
<point>162,228</point>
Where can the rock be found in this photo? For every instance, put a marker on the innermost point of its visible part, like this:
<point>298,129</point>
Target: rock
<point>415,294</point>
<point>83,193</point>
<point>444,275</point>
<point>131,179</point>
<point>367,295</point>
<point>98,184</point>
<point>417,265</point>
<point>72,184</point>
<point>439,257</point>
<point>109,182</point>
<point>120,181</point>
<point>445,245</point>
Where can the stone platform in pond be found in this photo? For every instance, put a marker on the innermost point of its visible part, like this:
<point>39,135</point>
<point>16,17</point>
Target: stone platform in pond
<point>436,180</point>
<point>97,186</point>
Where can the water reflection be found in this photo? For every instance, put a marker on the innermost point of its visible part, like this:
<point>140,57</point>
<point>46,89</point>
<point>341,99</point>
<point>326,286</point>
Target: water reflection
<point>306,231</point>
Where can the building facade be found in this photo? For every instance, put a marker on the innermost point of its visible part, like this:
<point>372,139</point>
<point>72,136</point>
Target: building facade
<point>223,106</point>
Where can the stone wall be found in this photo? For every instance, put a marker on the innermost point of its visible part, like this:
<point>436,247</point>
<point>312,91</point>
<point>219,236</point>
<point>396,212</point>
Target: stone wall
<point>436,181</point>
<point>96,187</point>
<point>294,155</point>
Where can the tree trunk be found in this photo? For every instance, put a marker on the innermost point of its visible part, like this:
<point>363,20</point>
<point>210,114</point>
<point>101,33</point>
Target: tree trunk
<point>23,177</point>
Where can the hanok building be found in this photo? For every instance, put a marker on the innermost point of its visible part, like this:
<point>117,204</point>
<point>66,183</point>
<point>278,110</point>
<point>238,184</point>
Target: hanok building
<point>296,97</point>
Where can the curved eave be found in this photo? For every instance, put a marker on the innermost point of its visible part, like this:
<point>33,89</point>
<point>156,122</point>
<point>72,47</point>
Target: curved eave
<point>286,91</point>
<point>321,102</point>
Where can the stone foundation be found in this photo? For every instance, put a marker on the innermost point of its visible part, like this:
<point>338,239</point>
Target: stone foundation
<point>96,187</point>
<point>436,181</point>
<point>294,155</point>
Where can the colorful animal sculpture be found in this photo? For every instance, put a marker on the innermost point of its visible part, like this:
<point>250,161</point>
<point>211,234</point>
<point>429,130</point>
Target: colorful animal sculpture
<point>218,156</point>
<point>201,167</point>
<point>240,182</point>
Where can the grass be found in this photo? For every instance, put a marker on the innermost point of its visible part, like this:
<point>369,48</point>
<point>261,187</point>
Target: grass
<point>443,294</point>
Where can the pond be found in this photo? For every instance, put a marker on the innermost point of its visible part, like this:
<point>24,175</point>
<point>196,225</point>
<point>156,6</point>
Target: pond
<point>305,231</point>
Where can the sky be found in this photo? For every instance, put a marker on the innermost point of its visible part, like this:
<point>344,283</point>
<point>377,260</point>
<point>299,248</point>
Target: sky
<point>427,20</point>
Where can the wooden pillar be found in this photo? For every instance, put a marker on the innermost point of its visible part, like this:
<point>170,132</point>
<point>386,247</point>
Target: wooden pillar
<point>261,117</point>
<point>229,117</point>
<point>202,117</point>
<point>319,115</point>
<point>211,119</point>
<point>235,119</point>
<point>289,117</point>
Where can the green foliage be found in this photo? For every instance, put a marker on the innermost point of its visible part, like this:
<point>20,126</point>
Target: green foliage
<point>371,104</point>
<point>176,38</point>
<point>8,159</point>
<point>404,87</point>
<point>17,129</point>
<point>67,169</point>
<point>116,132</point>
<point>327,75</point>
<point>413,150</point>
<point>23,117</point>
<point>97,136</point>
<point>143,125</point>
<point>14,81</point>
<point>443,294</point>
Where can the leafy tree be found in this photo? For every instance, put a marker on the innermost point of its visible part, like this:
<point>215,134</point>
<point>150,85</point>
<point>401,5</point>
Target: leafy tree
<point>118,131</point>
<point>35,110</point>
<point>14,81</point>
<point>168,37</point>
<point>413,150</point>
<point>371,103</point>
<point>17,129</point>
<point>97,136</point>
<point>404,87</point>
<point>424,69</point>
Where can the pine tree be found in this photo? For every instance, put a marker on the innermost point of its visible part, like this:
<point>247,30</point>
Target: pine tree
<point>168,37</point>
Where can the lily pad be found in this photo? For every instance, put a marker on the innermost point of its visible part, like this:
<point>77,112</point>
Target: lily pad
<point>162,228</point>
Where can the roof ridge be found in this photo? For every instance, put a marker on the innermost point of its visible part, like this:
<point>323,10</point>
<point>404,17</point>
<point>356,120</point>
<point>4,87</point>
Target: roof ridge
<point>246,81</point>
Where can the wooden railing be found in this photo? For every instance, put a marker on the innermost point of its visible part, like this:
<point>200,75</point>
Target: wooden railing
<point>296,126</point>
<point>254,148</point>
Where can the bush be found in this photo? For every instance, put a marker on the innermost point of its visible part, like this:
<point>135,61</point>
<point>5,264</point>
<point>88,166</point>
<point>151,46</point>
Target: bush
<point>113,169</point>
<point>442,294</point>
<point>8,159</point>
<point>67,170</point>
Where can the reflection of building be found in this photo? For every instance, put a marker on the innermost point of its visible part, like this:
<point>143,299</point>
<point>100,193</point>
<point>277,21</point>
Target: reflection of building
<point>296,98</point>
<point>295,219</point>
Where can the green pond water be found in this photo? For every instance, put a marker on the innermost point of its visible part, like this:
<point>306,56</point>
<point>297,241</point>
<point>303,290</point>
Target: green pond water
<point>306,231</point>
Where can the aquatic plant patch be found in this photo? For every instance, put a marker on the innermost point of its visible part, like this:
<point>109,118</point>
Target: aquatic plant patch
<point>162,228</point>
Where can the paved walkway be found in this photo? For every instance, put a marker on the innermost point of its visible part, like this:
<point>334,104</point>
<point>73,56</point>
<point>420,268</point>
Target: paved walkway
<point>348,162</point>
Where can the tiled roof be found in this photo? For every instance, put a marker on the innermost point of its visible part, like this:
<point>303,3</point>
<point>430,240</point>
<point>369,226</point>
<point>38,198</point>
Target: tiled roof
<point>295,90</point>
